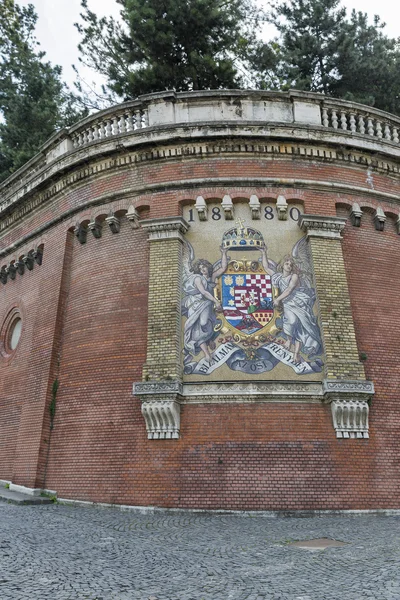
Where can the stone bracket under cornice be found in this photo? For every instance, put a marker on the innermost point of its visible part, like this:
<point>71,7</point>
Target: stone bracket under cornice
<point>349,402</point>
<point>160,408</point>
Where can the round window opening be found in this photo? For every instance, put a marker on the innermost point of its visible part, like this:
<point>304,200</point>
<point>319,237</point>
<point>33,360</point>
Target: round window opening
<point>10,333</point>
<point>14,333</point>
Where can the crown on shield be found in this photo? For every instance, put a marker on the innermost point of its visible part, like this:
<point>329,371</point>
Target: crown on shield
<point>242,238</point>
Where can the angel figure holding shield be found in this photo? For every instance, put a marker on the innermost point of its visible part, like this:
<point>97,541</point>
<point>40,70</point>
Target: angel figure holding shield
<point>199,303</point>
<point>293,279</point>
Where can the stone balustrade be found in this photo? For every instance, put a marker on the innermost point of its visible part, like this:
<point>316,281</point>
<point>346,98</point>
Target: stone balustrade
<point>294,116</point>
<point>122,120</point>
<point>362,120</point>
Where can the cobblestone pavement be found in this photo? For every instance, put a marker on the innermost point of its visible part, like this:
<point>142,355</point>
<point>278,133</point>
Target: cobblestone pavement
<point>61,552</point>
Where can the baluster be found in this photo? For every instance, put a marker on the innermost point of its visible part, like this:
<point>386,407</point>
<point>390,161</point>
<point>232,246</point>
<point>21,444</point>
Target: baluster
<point>89,134</point>
<point>138,119</point>
<point>379,129</point>
<point>325,120</point>
<point>115,126</point>
<point>343,120</point>
<point>353,127</point>
<point>102,130</point>
<point>387,132</point>
<point>361,124</point>
<point>122,124</point>
<point>145,118</point>
<point>75,141</point>
<point>96,131</point>
<point>334,119</point>
<point>108,127</point>
<point>395,135</point>
<point>130,121</point>
<point>84,138</point>
<point>370,126</point>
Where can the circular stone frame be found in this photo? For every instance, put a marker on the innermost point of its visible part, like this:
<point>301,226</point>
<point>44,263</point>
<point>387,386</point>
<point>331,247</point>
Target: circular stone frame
<point>7,329</point>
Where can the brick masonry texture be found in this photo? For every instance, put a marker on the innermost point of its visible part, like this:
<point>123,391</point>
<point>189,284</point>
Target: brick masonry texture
<point>342,359</point>
<point>86,314</point>
<point>163,347</point>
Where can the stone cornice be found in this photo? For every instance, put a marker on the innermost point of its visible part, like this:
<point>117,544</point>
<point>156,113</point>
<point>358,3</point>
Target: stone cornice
<point>151,388</point>
<point>166,228</point>
<point>322,226</point>
<point>337,386</point>
<point>252,392</point>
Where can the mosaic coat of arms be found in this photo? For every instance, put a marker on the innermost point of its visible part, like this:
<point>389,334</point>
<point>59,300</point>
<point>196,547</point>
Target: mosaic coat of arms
<point>249,313</point>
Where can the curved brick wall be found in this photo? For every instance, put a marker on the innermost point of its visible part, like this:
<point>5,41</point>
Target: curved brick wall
<point>85,318</point>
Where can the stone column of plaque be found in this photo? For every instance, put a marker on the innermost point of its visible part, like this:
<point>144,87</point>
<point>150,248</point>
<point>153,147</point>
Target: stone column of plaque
<point>161,388</point>
<point>345,385</point>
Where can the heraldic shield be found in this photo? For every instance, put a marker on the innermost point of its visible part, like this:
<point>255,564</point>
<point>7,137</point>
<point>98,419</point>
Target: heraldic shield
<point>247,298</point>
<point>245,289</point>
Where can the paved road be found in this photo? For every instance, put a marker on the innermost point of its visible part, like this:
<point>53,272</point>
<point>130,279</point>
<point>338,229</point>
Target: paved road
<point>71,553</point>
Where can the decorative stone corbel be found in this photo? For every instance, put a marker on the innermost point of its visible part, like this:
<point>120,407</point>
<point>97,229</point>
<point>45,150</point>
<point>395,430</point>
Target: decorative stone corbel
<point>20,266</point>
<point>3,275</point>
<point>355,215</point>
<point>349,402</point>
<point>28,261</point>
<point>37,255</point>
<point>255,207</point>
<point>201,208</point>
<point>114,223</point>
<point>11,270</point>
<point>282,208</point>
<point>133,217</point>
<point>160,408</point>
<point>80,232</point>
<point>379,219</point>
<point>167,228</point>
<point>322,226</point>
<point>227,207</point>
<point>96,228</point>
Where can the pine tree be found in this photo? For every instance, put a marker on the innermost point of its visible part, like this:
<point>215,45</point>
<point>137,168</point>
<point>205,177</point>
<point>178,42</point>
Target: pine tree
<point>169,44</point>
<point>311,33</point>
<point>320,49</point>
<point>368,65</point>
<point>33,99</point>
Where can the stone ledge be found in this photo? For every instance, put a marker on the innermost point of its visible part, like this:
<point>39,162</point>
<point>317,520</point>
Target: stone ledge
<point>348,386</point>
<point>145,388</point>
<point>251,392</point>
<point>322,226</point>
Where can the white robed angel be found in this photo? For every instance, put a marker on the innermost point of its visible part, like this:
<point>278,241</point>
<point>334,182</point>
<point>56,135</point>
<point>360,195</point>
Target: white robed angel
<point>294,281</point>
<point>199,303</point>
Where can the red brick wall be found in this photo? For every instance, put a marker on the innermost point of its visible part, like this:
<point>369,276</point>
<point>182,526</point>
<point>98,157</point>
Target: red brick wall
<point>27,376</point>
<point>372,261</point>
<point>86,325</point>
<point>103,350</point>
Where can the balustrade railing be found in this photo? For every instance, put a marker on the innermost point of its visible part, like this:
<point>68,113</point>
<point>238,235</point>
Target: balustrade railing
<point>365,122</point>
<point>110,125</point>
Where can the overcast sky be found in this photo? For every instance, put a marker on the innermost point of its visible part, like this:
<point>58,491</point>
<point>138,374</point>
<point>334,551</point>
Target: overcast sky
<point>59,38</point>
